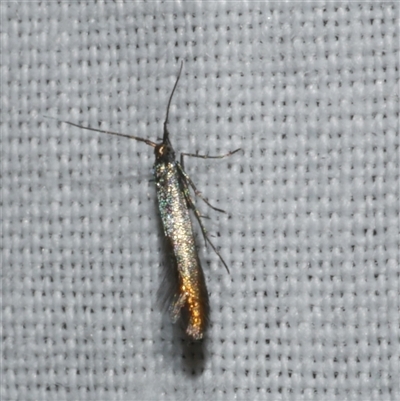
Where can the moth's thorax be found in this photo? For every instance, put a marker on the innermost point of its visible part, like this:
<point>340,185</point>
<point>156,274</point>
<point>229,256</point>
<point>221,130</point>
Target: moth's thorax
<point>165,173</point>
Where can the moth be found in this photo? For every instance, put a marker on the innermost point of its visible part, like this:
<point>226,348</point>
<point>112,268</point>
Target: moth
<point>173,186</point>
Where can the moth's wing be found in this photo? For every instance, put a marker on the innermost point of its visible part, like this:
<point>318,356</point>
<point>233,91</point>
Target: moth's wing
<point>194,211</point>
<point>204,299</point>
<point>170,298</point>
<point>168,292</point>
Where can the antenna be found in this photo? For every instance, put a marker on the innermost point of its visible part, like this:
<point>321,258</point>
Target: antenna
<point>166,133</point>
<point>146,141</point>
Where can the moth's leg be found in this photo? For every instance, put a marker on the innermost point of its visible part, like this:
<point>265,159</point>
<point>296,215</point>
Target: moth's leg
<point>208,156</point>
<point>196,191</point>
<point>191,205</point>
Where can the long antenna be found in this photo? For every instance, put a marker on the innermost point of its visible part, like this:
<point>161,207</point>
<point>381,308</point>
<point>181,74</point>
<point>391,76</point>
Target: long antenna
<point>146,141</point>
<point>166,133</point>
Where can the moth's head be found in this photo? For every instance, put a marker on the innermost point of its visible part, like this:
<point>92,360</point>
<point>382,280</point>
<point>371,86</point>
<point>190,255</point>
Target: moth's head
<point>164,152</point>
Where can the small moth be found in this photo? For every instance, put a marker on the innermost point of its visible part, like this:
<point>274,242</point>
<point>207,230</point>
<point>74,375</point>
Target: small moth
<point>174,202</point>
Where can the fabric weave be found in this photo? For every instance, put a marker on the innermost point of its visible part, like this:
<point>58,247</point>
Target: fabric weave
<point>309,91</point>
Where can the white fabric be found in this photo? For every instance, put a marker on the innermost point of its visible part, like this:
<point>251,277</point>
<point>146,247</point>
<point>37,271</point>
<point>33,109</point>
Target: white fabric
<point>310,91</point>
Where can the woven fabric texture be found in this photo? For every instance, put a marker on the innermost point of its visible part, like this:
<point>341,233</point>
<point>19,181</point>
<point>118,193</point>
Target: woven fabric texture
<point>309,91</point>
